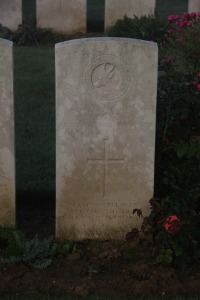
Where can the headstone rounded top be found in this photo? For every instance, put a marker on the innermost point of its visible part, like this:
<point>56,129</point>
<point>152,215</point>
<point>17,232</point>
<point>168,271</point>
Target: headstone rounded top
<point>6,42</point>
<point>106,39</point>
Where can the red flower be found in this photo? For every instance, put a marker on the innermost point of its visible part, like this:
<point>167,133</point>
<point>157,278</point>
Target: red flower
<point>183,23</point>
<point>194,82</point>
<point>186,16</point>
<point>193,15</point>
<point>198,87</point>
<point>172,219</point>
<point>170,60</point>
<point>198,74</point>
<point>172,18</point>
<point>172,224</point>
<point>182,39</point>
<point>170,31</point>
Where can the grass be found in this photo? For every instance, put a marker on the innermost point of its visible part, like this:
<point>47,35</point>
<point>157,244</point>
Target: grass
<point>29,10</point>
<point>95,15</point>
<point>35,122</point>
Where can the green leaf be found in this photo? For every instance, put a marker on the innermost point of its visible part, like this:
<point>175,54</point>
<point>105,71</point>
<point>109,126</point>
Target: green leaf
<point>168,259</point>
<point>160,258</point>
<point>181,149</point>
<point>168,252</point>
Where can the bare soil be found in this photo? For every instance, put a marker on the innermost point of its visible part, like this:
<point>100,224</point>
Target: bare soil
<point>103,268</point>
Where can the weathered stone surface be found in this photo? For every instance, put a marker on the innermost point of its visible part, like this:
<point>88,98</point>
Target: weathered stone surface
<point>11,13</point>
<point>7,161</point>
<point>194,5</point>
<point>61,15</point>
<point>105,135</point>
<point>117,9</point>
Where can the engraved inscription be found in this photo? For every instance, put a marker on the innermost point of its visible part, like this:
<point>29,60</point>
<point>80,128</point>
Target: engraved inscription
<point>106,78</point>
<point>106,205</point>
<point>89,127</point>
<point>105,162</point>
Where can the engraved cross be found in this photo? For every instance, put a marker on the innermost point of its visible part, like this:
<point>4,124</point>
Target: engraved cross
<point>105,162</point>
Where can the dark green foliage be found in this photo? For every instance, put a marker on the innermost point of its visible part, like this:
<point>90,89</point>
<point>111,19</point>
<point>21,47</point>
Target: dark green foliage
<point>64,248</point>
<point>8,244</point>
<point>35,253</point>
<point>177,185</point>
<point>27,34</point>
<point>178,166</point>
<point>5,33</point>
<point>92,270</point>
<point>145,28</point>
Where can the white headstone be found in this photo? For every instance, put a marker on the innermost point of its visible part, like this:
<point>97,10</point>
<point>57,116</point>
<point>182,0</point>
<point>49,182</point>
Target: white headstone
<point>64,16</point>
<point>117,9</point>
<point>194,6</point>
<point>7,152</point>
<point>11,13</point>
<point>105,135</point>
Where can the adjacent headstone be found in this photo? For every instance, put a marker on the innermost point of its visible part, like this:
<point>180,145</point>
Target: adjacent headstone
<point>105,110</point>
<point>64,16</point>
<point>11,13</point>
<point>7,152</point>
<point>117,9</point>
<point>194,6</point>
